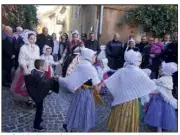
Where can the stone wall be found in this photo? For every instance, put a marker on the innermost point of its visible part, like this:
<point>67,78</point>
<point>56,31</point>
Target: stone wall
<point>111,24</point>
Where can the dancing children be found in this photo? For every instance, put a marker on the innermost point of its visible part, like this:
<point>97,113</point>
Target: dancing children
<point>161,110</point>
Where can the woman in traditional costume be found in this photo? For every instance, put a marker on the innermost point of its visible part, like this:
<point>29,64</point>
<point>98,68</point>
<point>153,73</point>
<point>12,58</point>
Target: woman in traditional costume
<point>81,114</point>
<point>69,58</point>
<point>161,111</point>
<point>29,52</point>
<point>127,85</point>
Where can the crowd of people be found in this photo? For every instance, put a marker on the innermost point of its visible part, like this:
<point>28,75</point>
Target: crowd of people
<point>138,75</point>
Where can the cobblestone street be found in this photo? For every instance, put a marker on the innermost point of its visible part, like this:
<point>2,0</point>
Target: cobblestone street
<point>18,118</point>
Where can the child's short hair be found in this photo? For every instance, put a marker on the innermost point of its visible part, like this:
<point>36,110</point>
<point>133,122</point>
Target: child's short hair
<point>38,63</point>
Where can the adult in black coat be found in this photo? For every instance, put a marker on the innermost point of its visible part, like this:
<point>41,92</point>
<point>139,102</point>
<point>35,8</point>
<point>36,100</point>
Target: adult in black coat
<point>114,53</point>
<point>8,54</point>
<point>146,62</point>
<point>93,44</point>
<point>44,39</point>
<point>142,44</point>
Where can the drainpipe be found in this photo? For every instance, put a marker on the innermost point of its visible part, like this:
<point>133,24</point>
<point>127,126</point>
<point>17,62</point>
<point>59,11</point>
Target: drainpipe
<point>100,21</point>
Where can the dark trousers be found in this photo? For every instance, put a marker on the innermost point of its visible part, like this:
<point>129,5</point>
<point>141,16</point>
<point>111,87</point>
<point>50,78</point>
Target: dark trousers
<point>38,115</point>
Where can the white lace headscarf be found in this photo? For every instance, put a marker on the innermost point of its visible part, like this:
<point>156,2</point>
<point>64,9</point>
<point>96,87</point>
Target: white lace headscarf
<point>75,32</point>
<point>25,34</point>
<point>132,58</point>
<point>169,68</point>
<point>131,40</point>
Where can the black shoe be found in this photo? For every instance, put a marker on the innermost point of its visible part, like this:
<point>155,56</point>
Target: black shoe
<point>65,127</point>
<point>40,128</point>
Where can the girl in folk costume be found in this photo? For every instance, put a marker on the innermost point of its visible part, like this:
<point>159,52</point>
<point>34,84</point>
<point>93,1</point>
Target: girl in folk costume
<point>81,114</point>
<point>70,58</point>
<point>29,52</point>
<point>161,111</point>
<point>103,70</point>
<point>49,61</point>
<point>127,85</point>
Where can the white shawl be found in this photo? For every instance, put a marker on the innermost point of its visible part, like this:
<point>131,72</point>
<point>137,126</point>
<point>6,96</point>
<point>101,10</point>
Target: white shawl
<point>129,83</point>
<point>165,86</point>
<point>81,74</point>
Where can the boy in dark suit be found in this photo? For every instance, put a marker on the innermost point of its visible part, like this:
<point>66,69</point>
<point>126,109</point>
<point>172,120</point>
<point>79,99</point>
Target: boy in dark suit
<point>38,87</point>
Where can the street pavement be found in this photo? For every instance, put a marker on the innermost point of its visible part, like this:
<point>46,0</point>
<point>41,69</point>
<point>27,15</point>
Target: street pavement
<point>19,118</point>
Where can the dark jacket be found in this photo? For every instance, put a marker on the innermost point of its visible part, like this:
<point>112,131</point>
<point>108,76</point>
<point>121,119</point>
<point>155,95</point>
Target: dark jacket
<point>44,40</point>
<point>146,56</point>
<point>38,85</point>
<point>114,53</point>
<point>141,46</point>
<point>170,54</point>
<point>8,50</point>
<point>62,47</point>
<point>93,45</point>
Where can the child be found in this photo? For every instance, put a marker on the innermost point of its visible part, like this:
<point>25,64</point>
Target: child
<point>38,87</point>
<point>161,110</point>
<point>126,86</point>
<point>49,61</point>
<point>82,80</point>
<point>103,72</point>
<point>157,47</point>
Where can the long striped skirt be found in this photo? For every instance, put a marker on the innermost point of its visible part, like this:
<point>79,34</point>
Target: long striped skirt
<point>124,117</point>
<point>81,114</point>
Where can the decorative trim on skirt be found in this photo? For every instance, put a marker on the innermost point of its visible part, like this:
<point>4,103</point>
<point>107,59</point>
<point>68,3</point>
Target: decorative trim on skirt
<point>124,117</point>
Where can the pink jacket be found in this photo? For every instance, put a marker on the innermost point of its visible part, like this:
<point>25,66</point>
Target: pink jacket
<point>157,48</point>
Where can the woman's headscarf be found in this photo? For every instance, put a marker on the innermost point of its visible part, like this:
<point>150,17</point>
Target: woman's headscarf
<point>169,68</point>
<point>131,40</point>
<point>132,58</point>
<point>75,32</point>
<point>25,34</point>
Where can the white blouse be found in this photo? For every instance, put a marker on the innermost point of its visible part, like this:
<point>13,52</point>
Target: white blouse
<point>28,54</point>
<point>49,60</point>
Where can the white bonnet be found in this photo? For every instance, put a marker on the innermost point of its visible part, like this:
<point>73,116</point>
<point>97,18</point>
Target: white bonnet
<point>132,40</point>
<point>75,32</point>
<point>169,68</point>
<point>87,53</point>
<point>133,58</point>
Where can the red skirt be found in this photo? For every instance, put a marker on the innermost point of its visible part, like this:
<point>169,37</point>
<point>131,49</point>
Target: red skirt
<point>48,73</point>
<point>18,84</point>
